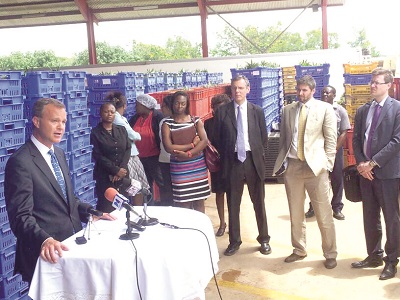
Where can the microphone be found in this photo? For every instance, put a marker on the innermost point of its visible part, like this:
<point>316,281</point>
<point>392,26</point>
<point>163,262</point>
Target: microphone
<point>86,208</point>
<point>119,200</point>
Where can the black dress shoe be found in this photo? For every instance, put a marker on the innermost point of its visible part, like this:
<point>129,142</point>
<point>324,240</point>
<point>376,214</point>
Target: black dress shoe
<point>310,213</point>
<point>369,262</point>
<point>265,248</point>
<point>389,271</point>
<point>232,249</point>
<point>221,230</point>
<point>338,215</point>
<point>330,263</point>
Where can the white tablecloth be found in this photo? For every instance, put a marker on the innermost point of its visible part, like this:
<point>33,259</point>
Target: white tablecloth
<point>172,264</point>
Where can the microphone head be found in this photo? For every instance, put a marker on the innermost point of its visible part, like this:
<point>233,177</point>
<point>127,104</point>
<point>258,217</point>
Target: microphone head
<point>110,194</point>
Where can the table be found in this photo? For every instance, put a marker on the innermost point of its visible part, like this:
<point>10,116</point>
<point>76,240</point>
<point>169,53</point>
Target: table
<point>171,263</point>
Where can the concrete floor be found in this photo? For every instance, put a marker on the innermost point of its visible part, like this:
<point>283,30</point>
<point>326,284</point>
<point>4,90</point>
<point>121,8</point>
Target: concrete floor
<point>250,275</point>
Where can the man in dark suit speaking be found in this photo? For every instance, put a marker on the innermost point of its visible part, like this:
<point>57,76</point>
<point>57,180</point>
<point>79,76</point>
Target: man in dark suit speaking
<point>241,136</point>
<point>40,201</point>
<point>376,144</point>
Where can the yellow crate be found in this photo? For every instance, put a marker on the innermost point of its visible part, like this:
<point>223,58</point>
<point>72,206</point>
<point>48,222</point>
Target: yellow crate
<point>289,85</point>
<point>357,99</point>
<point>357,89</point>
<point>352,109</point>
<point>360,69</point>
<point>288,71</point>
<point>289,91</point>
<point>289,78</point>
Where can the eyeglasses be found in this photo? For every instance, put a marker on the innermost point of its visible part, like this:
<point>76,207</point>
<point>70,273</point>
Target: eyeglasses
<point>377,83</point>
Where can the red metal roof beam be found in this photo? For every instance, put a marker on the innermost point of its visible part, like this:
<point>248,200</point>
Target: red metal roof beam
<point>85,11</point>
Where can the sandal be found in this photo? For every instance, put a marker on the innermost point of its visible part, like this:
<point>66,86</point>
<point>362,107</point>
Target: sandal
<point>221,230</point>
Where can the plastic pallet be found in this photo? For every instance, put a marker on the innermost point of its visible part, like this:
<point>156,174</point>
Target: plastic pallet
<point>73,81</point>
<point>44,82</point>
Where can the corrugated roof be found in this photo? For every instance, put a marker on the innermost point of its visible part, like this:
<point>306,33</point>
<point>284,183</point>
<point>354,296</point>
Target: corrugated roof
<point>24,13</point>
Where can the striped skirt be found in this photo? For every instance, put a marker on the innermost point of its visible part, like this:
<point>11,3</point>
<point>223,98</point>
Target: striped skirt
<point>189,179</point>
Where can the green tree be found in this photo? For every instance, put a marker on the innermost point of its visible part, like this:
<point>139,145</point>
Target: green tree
<point>269,40</point>
<point>362,41</point>
<point>180,48</point>
<point>31,60</point>
<point>106,54</point>
<point>141,52</point>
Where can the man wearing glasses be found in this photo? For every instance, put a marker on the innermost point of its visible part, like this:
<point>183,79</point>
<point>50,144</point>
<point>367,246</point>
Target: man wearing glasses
<point>376,144</point>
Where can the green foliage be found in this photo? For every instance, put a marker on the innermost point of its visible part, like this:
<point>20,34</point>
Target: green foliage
<point>106,54</point>
<point>31,60</point>
<point>362,41</point>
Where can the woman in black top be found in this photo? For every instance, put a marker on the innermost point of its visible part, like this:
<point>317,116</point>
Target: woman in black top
<point>111,153</point>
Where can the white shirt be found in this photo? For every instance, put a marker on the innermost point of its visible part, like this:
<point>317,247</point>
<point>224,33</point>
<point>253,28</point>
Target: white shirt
<point>44,150</point>
<point>132,134</point>
<point>243,110</point>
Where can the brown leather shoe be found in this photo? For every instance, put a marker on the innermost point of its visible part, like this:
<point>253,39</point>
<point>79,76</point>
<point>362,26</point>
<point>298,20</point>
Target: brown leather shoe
<point>294,257</point>
<point>330,263</point>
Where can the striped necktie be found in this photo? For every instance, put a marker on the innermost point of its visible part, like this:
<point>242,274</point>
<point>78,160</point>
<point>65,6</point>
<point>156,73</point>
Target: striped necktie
<point>57,171</point>
<point>301,129</point>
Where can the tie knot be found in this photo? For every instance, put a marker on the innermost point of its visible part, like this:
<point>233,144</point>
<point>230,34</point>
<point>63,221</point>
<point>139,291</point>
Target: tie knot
<point>51,152</point>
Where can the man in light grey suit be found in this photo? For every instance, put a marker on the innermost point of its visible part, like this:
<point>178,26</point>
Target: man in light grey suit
<point>376,144</point>
<point>306,155</point>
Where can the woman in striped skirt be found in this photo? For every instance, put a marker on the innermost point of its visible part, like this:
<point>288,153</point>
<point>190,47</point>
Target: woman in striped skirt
<point>189,174</point>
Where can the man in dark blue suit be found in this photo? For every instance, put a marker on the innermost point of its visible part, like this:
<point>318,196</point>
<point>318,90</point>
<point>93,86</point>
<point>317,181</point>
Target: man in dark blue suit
<point>42,210</point>
<point>376,144</point>
<point>249,167</point>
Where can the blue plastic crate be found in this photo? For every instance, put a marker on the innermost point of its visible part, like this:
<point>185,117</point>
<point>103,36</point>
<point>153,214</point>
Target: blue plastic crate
<point>320,81</point>
<point>150,89</point>
<point>259,72</point>
<point>169,78</point>
<point>178,79</point>
<point>21,294</point>
<point>75,100</point>
<point>262,92</point>
<point>94,110</point>
<point>63,144</point>
<point>12,133</point>
<point>79,139</point>
<point>160,87</point>
<point>357,79</point>
<point>94,120</point>
<point>160,77</point>
<point>73,81</point>
<point>12,112</point>
<point>110,82</point>
<point>10,83</point>
<point>7,254</point>
<point>80,158</point>
<point>11,285</point>
<point>130,109</point>
<point>187,77</point>
<point>31,99</point>
<point>44,82</point>
<point>139,79</point>
<point>5,154</point>
<point>8,100</point>
<point>312,70</point>
<point>77,119</point>
<point>86,193</point>
<point>149,79</point>
<point>82,176</point>
<point>3,215</point>
<point>7,238</point>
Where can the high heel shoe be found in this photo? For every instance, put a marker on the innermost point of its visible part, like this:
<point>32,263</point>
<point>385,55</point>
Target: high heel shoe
<point>221,230</point>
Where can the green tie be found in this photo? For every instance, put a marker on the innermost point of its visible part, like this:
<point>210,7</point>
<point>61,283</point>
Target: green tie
<point>301,130</point>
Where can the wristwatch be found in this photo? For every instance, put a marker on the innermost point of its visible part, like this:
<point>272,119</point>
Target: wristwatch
<point>372,164</point>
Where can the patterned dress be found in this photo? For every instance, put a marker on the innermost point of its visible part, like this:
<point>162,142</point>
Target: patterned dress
<point>190,177</point>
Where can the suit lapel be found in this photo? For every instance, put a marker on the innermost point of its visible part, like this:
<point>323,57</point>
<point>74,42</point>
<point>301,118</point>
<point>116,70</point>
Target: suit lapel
<point>385,109</point>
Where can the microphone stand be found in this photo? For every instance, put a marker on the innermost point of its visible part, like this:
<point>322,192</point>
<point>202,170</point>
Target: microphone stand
<point>129,235</point>
<point>82,240</point>
<point>147,221</point>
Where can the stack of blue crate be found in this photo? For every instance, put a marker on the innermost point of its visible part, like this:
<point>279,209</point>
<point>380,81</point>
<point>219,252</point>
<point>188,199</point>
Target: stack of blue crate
<point>160,85</point>
<point>319,73</point>
<point>214,78</point>
<point>12,136</point>
<point>178,81</point>
<point>169,81</point>
<point>189,79</point>
<point>265,91</point>
<point>131,84</point>
<point>77,133</point>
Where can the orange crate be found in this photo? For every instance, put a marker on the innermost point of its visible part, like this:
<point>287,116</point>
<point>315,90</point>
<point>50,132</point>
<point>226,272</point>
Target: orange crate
<point>159,96</point>
<point>360,69</point>
<point>357,100</point>
<point>197,94</point>
<point>357,89</point>
<point>199,107</point>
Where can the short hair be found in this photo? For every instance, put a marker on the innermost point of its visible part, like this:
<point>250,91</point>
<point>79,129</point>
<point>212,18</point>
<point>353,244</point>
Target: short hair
<point>331,87</point>
<point>387,74</point>
<point>116,98</point>
<point>184,94</point>
<point>105,104</point>
<point>37,110</point>
<point>306,80</point>
<point>167,101</point>
<point>220,99</point>
<point>240,77</point>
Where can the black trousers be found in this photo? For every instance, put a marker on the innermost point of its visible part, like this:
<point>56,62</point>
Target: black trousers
<point>381,194</point>
<point>239,174</point>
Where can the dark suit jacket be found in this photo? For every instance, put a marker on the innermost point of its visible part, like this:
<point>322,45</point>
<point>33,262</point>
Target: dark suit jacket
<point>386,140</point>
<point>226,132</point>
<point>36,206</point>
